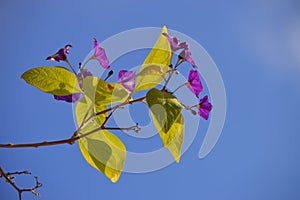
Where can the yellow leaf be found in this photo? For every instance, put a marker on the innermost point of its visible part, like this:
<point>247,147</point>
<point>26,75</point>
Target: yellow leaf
<point>110,93</point>
<point>54,80</point>
<point>101,149</point>
<point>105,152</point>
<point>173,139</point>
<point>168,120</point>
<point>155,65</point>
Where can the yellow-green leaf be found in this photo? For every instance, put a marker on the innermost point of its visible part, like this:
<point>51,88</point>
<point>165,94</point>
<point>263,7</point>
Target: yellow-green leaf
<point>110,93</point>
<point>85,109</point>
<point>105,152</point>
<point>155,65</point>
<point>54,80</point>
<point>173,139</point>
<point>90,84</point>
<point>164,106</point>
<point>167,118</point>
<point>101,149</point>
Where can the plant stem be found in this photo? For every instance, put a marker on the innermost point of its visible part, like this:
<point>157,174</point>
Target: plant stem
<point>75,136</point>
<point>180,86</point>
<point>9,181</point>
<point>83,65</point>
<point>72,68</point>
<point>171,72</point>
<point>19,190</point>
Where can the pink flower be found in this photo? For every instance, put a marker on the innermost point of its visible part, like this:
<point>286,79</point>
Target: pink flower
<point>175,43</point>
<point>100,55</point>
<point>204,107</point>
<point>60,54</point>
<point>127,79</point>
<point>186,55</point>
<point>194,82</point>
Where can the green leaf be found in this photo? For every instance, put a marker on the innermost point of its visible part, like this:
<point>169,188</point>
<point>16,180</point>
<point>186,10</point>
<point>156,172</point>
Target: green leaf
<point>54,80</point>
<point>101,149</point>
<point>166,114</point>
<point>110,93</point>
<point>105,152</point>
<point>155,65</point>
<point>164,106</point>
<point>90,84</point>
<point>85,109</point>
<point>173,139</point>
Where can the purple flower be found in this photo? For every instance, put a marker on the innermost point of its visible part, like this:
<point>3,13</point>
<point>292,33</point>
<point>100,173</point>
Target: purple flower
<point>83,73</point>
<point>100,55</point>
<point>186,55</point>
<point>69,98</point>
<point>194,82</point>
<point>76,96</point>
<point>175,43</point>
<point>127,79</point>
<point>60,54</point>
<point>204,107</point>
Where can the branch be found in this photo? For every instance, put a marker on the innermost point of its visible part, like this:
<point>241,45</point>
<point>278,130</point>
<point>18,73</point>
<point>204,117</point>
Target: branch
<point>171,72</point>
<point>134,128</point>
<point>70,141</point>
<point>17,173</point>
<point>9,179</point>
<point>75,136</point>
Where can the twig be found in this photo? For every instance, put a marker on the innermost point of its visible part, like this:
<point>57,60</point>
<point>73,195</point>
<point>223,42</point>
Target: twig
<point>9,178</point>
<point>72,68</point>
<point>134,128</point>
<point>171,73</point>
<point>18,173</point>
<point>118,106</point>
<point>70,141</point>
<point>180,86</point>
<point>75,135</point>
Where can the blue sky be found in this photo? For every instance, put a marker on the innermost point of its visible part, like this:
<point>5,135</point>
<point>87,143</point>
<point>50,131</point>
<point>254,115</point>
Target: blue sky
<point>256,46</point>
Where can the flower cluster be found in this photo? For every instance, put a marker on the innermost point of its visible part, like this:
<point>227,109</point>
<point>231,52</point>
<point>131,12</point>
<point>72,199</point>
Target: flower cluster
<point>104,98</point>
<point>194,83</point>
<point>128,78</point>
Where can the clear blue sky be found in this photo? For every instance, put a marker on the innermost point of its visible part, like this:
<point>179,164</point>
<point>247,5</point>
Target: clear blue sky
<point>255,44</point>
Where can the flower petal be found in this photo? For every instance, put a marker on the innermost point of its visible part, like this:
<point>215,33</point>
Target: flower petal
<point>127,79</point>
<point>174,42</point>
<point>188,58</point>
<point>100,55</point>
<point>195,84</point>
<point>69,98</point>
<point>204,107</point>
<point>60,54</point>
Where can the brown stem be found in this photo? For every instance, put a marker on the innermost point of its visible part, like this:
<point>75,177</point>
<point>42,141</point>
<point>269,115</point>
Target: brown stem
<point>171,72</point>
<point>17,173</point>
<point>118,106</point>
<point>45,143</point>
<point>106,119</point>
<point>134,128</point>
<point>19,190</point>
<point>8,180</point>
<point>75,135</point>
